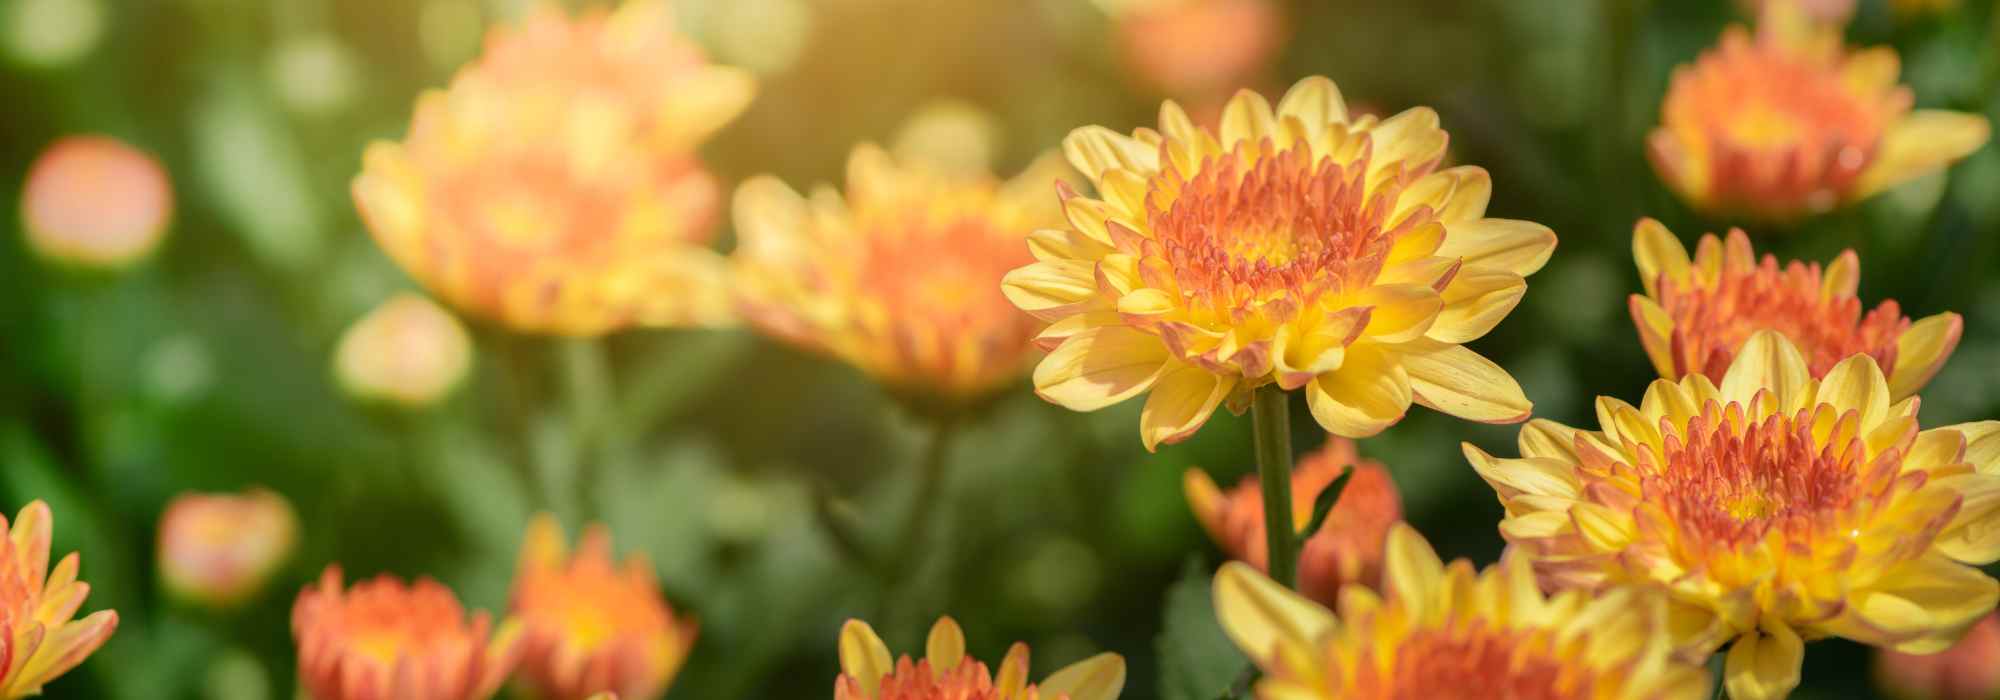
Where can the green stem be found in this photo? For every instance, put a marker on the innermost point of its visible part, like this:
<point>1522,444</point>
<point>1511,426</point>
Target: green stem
<point>930,484</point>
<point>1271,429</point>
<point>586,376</point>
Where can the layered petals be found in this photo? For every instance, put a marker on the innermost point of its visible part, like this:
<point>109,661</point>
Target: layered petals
<point>589,624</point>
<point>383,638</point>
<point>868,672</point>
<point>37,605</point>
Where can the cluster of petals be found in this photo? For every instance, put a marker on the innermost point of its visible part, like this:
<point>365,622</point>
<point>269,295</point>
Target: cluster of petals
<point>384,638</point>
<point>38,639</point>
<point>868,672</point>
<point>590,625</point>
<point>1347,549</point>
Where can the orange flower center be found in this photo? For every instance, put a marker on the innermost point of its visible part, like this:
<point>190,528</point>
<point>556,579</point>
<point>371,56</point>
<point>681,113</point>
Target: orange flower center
<point>944,277</point>
<point>1468,660</point>
<point>1710,323</point>
<point>970,680</point>
<point>589,606</point>
<point>1733,483</point>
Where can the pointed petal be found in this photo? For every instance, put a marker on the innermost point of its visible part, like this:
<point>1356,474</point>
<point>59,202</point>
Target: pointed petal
<point>1099,367</point>
<point>1657,252</point>
<point>1100,677</point>
<point>1370,392</point>
<point>945,647</point>
<point>1921,143</point>
<point>863,656</point>
<point>1766,361</point>
<point>1316,101</point>
<point>1922,351</point>
<point>1459,382</point>
<point>1520,247</point>
<point>1260,615</point>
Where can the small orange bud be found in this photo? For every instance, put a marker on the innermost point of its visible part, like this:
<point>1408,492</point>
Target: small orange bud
<point>219,549</point>
<point>93,202</point>
<point>593,625</point>
<point>383,638</point>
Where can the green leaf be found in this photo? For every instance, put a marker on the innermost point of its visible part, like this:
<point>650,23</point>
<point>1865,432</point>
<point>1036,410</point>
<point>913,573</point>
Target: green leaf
<point>1197,662</point>
<point>1323,504</point>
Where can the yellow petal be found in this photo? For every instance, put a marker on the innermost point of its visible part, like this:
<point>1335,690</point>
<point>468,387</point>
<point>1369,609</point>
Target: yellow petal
<point>1259,615</point>
<point>1922,350</point>
<point>1548,439</point>
<point>1857,384</point>
<point>1412,572</point>
<point>1520,247</point>
<point>1926,595</point>
<point>1206,500</point>
<point>946,645</point>
<point>1476,300</point>
<point>1370,392</point>
<point>1530,475</point>
<point>1146,302</point>
<point>1766,361</point>
<point>1764,666</point>
<point>769,215</point>
<point>1099,367</point>
<point>1247,117</point>
<point>1921,143</point>
<point>1973,536</point>
<point>1182,400</point>
<point>1316,102</point>
<point>1657,252</point>
<point>1051,289</point>
<point>1459,382</point>
<point>1468,202</point>
<point>1095,149</point>
<point>704,102</point>
<point>1842,276</point>
<point>1013,675</point>
<point>863,656</point>
<point>1656,332</point>
<point>1400,312</point>
<point>1100,677</point>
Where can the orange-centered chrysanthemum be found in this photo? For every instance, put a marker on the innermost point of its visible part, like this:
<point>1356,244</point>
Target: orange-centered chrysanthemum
<point>1697,312</point>
<point>219,549</point>
<point>555,187</point>
<point>40,640</point>
<point>900,278</point>
<point>1296,247</point>
<point>867,672</point>
<point>1789,122</point>
<point>590,625</point>
<point>1776,508</point>
<point>1438,631</point>
<point>387,639</point>
<point>1347,549</point>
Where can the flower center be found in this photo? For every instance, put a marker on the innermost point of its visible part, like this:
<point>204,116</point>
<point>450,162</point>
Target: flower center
<point>1711,322</point>
<point>1732,481</point>
<point>1475,660</point>
<point>970,680</point>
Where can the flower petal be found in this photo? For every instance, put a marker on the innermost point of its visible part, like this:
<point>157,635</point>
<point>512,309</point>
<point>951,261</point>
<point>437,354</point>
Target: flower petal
<point>1520,247</point>
<point>1412,573</point>
<point>1857,384</point>
<point>1766,361</point>
<point>1247,118</point>
<point>1922,350</point>
<point>1100,677</point>
<point>1764,666</point>
<point>1051,290</point>
<point>1475,301</point>
<point>1099,367</point>
<point>1181,401</point>
<point>945,647</point>
<point>863,656</point>
<point>1656,332</point>
<point>1370,392</point>
<point>1260,615</point>
<point>1923,142</point>
<point>1657,252</point>
<point>1095,149</point>
<point>1460,382</point>
<point>1316,101</point>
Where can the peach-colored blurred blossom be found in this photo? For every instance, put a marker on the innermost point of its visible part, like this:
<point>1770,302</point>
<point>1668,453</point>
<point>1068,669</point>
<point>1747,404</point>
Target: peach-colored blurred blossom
<point>1347,549</point>
<point>1969,670</point>
<point>592,625</point>
<point>384,638</point>
<point>407,352</point>
<point>1199,49</point>
<point>38,640</point>
<point>219,549</point>
<point>95,202</point>
<point>555,186</point>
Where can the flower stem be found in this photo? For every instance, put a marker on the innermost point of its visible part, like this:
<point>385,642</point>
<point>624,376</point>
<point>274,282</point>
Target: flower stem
<point>930,482</point>
<point>1271,430</point>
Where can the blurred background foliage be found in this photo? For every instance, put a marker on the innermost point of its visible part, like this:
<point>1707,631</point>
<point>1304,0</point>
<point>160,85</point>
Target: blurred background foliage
<point>207,368</point>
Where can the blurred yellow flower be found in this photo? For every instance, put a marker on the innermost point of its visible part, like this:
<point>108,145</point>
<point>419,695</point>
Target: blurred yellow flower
<point>219,549</point>
<point>94,202</point>
<point>1196,48</point>
<point>1790,122</point>
<point>945,673</point>
<point>590,625</point>
<point>1776,508</point>
<point>41,642</point>
<point>1697,312</point>
<point>1440,631</point>
<point>902,278</point>
<point>1969,670</point>
<point>1295,247</point>
<point>385,639</point>
<point>406,352</point>
<point>1347,549</point>
<point>555,186</point>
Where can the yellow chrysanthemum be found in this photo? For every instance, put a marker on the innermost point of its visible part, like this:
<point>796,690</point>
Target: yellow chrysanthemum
<point>590,625</point>
<point>1441,631</point>
<point>554,187</point>
<point>901,278</point>
<point>1789,122</point>
<point>945,673</point>
<point>38,640</point>
<point>1697,312</point>
<point>1775,508</point>
<point>1297,247</point>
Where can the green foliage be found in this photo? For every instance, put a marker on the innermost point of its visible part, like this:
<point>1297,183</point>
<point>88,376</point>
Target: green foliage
<point>1197,661</point>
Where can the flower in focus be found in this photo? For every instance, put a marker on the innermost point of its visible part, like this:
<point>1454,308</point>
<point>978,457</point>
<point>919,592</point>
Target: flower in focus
<point>387,639</point>
<point>1969,670</point>
<point>1696,313</point>
<point>555,186</point>
<point>1437,631</point>
<point>902,278</point>
<point>407,352</point>
<point>1295,247</point>
<point>1776,508</point>
<point>1347,549</point>
<point>94,202</point>
<point>41,642</point>
<point>591,625</point>
<point>1789,122</point>
<point>219,549</point>
<point>867,672</point>
<point>1197,48</point>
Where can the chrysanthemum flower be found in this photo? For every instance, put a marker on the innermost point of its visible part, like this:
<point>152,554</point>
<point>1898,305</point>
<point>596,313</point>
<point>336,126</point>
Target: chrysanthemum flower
<point>1440,631</point>
<point>867,672</point>
<point>1347,549</point>
<point>590,625</point>
<point>1776,508</point>
<point>902,277</point>
<point>1696,313</point>
<point>1789,122</point>
<point>1969,670</point>
<point>219,549</point>
<point>1195,48</point>
<point>1295,247</point>
<point>407,352</point>
<point>94,202</point>
<point>41,642</point>
<point>385,639</point>
<point>554,187</point>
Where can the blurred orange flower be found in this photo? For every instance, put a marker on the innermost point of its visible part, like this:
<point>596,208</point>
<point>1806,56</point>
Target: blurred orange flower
<point>94,202</point>
<point>555,186</point>
<point>1969,670</point>
<point>1790,122</point>
<point>902,277</point>
<point>385,639</point>
<point>1197,48</point>
<point>589,625</point>
<point>407,352</point>
<point>219,549</point>
<point>40,640</point>
<point>945,673</point>
<point>1696,313</point>
<point>1348,547</point>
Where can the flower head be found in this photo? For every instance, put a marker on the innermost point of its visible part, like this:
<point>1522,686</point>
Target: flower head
<point>591,625</point>
<point>387,639</point>
<point>1196,48</point>
<point>1776,508</point>
<point>1696,313</point>
<point>406,352</point>
<point>1347,549</point>
<point>901,277</point>
<point>554,187</point>
<point>1789,122</point>
<point>1439,631</point>
<point>1969,670</point>
<point>94,202</point>
<point>219,549</point>
<point>1295,247</point>
<point>40,640</point>
<point>867,672</point>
